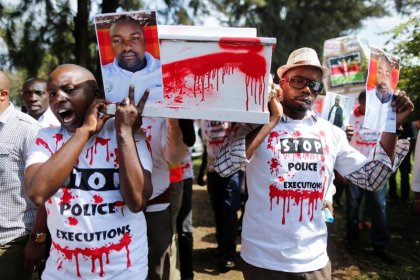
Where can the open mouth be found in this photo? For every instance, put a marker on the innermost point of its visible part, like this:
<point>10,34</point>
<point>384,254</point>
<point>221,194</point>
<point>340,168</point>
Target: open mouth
<point>66,115</point>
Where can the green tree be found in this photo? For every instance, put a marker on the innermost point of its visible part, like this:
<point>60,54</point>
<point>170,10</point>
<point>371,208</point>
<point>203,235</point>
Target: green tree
<point>298,23</point>
<point>407,36</point>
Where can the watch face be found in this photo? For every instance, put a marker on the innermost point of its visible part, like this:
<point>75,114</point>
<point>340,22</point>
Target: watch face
<point>40,237</point>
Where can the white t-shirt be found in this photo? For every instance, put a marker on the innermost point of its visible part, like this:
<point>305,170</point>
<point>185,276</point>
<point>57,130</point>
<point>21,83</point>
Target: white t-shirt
<point>156,135</point>
<point>117,80</point>
<point>94,235</point>
<point>48,119</point>
<point>287,179</point>
<point>214,133</point>
<point>364,139</point>
<point>187,166</point>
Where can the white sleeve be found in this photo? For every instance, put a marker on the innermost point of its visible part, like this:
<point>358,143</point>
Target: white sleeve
<point>40,150</point>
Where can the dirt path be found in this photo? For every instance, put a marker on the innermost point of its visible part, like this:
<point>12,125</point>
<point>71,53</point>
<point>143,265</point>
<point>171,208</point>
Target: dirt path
<point>205,266</point>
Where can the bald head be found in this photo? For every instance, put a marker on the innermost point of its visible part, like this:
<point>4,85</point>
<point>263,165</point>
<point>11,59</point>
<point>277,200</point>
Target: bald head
<point>71,89</point>
<point>4,81</point>
<point>74,70</point>
<point>74,74</point>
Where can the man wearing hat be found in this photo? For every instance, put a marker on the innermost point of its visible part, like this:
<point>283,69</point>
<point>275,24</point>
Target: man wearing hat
<point>289,169</point>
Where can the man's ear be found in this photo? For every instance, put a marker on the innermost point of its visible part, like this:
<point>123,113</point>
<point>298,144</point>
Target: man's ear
<point>4,94</point>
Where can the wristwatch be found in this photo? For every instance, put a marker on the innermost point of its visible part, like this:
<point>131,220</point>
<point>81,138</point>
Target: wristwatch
<point>39,237</point>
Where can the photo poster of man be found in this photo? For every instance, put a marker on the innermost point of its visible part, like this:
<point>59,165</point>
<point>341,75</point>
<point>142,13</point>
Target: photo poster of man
<point>129,54</point>
<point>337,108</point>
<point>346,69</point>
<point>381,84</point>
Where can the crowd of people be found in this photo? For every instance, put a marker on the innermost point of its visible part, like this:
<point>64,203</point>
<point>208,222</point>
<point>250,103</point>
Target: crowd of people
<point>88,194</point>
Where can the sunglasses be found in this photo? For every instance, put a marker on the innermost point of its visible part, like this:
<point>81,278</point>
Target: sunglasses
<point>297,82</point>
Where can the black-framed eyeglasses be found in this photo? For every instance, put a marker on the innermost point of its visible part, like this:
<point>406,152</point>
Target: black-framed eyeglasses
<point>297,82</point>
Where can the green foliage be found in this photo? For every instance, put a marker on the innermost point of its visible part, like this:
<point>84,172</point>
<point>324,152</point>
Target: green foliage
<point>298,23</point>
<point>407,36</point>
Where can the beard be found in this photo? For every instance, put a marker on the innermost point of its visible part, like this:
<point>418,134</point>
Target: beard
<point>383,93</point>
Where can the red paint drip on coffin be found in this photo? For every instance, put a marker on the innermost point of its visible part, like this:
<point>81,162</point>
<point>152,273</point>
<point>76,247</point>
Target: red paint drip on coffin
<point>96,254</point>
<point>298,196</point>
<point>205,71</point>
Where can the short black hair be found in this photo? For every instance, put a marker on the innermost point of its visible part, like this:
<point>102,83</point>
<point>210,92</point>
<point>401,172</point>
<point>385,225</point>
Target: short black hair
<point>126,19</point>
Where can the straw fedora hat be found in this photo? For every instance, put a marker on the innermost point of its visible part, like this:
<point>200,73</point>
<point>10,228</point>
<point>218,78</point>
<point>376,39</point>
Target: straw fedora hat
<point>302,57</point>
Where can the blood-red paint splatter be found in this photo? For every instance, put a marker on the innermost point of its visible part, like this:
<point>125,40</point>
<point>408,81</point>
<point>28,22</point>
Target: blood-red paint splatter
<point>93,149</point>
<point>120,204</point>
<point>274,166</point>
<point>72,221</point>
<point>58,138</point>
<point>66,197</point>
<point>298,197</point>
<point>97,199</point>
<point>296,134</point>
<point>95,254</point>
<point>200,75</point>
<point>40,141</point>
<point>248,44</point>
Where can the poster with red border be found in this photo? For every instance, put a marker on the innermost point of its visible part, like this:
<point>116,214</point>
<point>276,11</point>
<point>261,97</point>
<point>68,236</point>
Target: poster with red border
<point>382,81</point>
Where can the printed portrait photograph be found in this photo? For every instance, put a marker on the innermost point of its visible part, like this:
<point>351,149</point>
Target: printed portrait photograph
<point>337,108</point>
<point>381,84</point>
<point>129,54</point>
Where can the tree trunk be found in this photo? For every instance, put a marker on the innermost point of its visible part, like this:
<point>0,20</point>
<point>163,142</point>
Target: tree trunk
<point>81,31</point>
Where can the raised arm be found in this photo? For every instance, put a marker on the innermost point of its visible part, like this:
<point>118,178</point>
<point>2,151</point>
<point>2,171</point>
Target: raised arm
<point>135,181</point>
<point>386,157</point>
<point>42,180</point>
<point>244,140</point>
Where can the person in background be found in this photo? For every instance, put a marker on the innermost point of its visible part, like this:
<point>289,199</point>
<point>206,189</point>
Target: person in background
<point>415,186</point>
<point>364,140</point>
<point>17,214</point>
<point>335,116</point>
<point>224,194</point>
<point>289,168</point>
<point>184,221</point>
<point>36,101</point>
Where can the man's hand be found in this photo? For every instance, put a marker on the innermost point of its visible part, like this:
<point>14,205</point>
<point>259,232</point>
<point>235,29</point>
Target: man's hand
<point>349,132</point>
<point>327,204</point>
<point>129,116</point>
<point>34,255</point>
<point>402,105</point>
<point>94,121</point>
<point>275,97</point>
